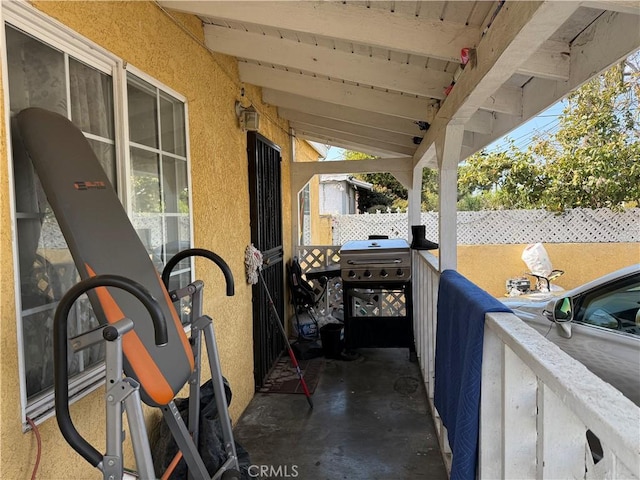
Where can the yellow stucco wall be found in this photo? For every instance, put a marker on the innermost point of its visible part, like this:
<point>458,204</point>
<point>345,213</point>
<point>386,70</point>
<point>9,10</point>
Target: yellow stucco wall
<point>324,234</point>
<point>489,266</point>
<point>169,50</point>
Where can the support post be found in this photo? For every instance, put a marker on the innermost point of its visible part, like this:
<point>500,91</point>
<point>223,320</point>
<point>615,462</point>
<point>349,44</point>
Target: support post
<point>295,192</point>
<point>448,148</point>
<point>415,200</point>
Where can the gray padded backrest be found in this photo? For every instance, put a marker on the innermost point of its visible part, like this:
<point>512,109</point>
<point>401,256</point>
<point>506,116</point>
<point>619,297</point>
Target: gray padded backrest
<point>102,240</point>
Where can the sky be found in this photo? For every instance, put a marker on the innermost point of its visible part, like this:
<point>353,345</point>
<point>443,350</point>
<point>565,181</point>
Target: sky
<point>546,121</point>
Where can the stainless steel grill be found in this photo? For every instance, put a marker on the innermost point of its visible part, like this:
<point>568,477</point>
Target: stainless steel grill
<point>376,261</point>
<point>376,277</point>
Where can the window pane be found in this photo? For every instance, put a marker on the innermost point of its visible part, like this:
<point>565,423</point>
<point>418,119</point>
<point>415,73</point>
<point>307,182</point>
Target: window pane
<point>149,229</point>
<point>614,307</point>
<point>146,181</point>
<point>183,306</point>
<point>106,154</point>
<point>143,119</point>
<point>172,125</point>
<point>175,189</point>
<point>36,74</point>
<point>37,332</point>
<point>177,235</point>
<point>91,99</point>
<point>49,275</point>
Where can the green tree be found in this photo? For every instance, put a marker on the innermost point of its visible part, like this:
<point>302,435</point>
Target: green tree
<point>388,192</point>
<point>592,160</point>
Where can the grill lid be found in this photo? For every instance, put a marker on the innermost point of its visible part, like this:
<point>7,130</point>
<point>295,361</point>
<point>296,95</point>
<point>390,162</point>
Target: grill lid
<point>384,245</point>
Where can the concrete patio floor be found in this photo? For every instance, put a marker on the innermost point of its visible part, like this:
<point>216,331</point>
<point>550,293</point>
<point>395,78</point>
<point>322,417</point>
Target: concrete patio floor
<point>370,421</point>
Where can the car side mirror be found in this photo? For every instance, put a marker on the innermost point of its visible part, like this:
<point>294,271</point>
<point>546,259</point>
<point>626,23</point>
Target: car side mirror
<point>560,312</point>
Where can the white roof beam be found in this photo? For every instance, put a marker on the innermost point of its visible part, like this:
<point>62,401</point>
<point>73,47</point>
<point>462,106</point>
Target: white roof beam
<point>348,144</point>
<point>347,22</point>
<point>519,28</point>
<point>340,126</point>
<point>288,101</point>
<point>610,39</point>
<point>551,61</point>
<point>401,77</point>
<point>351,137</point>
<point>302,172</point>
<point>623,6</point>
<point>336,92</point>
<point>504,100</point>
<point>475,141</point>
<point>367,165</point>
<point>481,122</point>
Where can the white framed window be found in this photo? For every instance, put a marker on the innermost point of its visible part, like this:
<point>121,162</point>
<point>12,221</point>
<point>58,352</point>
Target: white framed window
<point>49,66</point>
<point>158,171</point>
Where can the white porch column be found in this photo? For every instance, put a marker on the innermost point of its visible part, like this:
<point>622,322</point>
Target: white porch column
<point>294,189</point>
<point>415,200</point>
<point>448,148</point>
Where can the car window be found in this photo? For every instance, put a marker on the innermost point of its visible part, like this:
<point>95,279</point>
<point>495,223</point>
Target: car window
<point>615,306</point>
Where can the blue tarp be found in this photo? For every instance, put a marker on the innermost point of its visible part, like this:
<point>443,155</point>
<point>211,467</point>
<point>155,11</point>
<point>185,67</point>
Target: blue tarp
<point>461,311</point>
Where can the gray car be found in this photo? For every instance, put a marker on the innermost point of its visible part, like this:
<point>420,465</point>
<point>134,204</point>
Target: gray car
<point>597,323</point>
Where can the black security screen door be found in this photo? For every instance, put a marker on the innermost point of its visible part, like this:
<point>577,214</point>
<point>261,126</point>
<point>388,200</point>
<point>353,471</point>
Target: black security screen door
<point>266,235</point>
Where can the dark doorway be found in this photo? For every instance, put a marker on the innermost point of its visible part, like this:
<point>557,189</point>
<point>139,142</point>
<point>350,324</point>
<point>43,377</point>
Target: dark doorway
<point>266,235</point>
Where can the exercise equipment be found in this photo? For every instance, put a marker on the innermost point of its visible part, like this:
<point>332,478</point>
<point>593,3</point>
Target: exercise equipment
<point>141,330</point>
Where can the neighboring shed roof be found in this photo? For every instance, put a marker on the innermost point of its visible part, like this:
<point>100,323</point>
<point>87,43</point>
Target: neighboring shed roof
<point>351,180</point>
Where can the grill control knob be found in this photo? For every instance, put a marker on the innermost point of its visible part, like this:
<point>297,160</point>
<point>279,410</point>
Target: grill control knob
<point>400,272</point>
<point>352,274</point>
<point>367,274</point>
<point>384,273</point>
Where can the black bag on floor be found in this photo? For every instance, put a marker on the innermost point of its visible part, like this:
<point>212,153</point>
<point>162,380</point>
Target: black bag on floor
<point>210,441</point>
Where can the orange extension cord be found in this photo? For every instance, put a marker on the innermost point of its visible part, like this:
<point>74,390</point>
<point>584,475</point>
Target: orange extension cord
<point>36,432</point>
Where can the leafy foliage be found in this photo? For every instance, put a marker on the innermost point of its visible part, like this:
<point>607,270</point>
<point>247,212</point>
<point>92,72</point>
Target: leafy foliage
<point>388,192</point>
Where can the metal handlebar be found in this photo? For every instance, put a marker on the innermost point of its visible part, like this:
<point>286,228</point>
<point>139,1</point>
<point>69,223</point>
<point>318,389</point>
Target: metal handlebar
<point>373,263</point>
<point>199,252</point>
<point>61,375</point>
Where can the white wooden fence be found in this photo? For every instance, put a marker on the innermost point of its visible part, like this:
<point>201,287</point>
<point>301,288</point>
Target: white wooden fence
<point>502,226</point>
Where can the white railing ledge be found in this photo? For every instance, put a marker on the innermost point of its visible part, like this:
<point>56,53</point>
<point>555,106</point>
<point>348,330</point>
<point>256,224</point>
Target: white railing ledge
<point>432,261</point>
<point>612,417</point>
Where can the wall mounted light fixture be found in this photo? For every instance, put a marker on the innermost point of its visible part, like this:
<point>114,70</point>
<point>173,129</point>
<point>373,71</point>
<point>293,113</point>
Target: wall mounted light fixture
<point>248,117</point>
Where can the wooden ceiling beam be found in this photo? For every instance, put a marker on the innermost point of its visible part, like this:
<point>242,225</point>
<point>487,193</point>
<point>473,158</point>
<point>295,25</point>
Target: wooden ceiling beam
<point>551,61</point>
<point>346,22</point>
<point>404,106</point>
<point>296,118</point>
<point>623,6</point>
<point>294,102</point>
<point>350,137</point>
<point>348,144</point>
<point>402,77</point>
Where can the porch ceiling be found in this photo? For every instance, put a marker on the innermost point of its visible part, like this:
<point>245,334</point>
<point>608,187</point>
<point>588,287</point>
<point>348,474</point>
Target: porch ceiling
<point>361,74</point>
